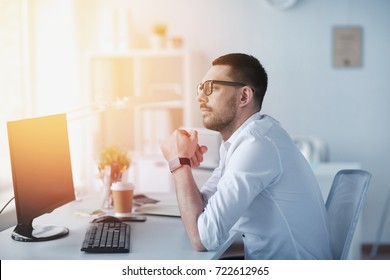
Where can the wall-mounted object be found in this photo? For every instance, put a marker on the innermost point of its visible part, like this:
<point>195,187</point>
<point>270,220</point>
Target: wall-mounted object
<point>347,46</point>
<point>282,4</point>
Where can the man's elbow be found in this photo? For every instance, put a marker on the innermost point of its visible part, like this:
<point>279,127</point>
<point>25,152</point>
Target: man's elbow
<point>198,246</point>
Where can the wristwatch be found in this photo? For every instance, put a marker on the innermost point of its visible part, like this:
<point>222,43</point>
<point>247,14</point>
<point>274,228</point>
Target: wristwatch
<point>178,162</point>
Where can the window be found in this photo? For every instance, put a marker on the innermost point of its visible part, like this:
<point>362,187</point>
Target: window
<point>11,78</point>
<point>38,70</point>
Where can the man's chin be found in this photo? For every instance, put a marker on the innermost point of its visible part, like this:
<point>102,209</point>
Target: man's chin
<point>206,121</point>
<point>209,125</point>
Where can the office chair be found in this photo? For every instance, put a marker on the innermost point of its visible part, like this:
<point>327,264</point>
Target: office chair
<point>344,204</point>
<point>375,247</point>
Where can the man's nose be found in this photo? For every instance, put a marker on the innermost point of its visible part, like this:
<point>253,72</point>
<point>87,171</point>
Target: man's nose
<point>201,97</point>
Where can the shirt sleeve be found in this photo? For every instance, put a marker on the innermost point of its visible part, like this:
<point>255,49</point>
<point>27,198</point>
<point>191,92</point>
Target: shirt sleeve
<point>252,164</point>
<point>210,186</point>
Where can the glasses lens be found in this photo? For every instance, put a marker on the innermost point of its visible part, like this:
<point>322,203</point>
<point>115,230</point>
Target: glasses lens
<point>199,89</point>
<point>205,88</point>
<point>208,87</point>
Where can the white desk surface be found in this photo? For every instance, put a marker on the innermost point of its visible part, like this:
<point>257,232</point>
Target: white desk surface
<point>158,238</point>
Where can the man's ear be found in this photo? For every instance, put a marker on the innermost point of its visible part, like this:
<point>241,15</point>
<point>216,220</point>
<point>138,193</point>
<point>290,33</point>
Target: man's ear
<point>246,96</point>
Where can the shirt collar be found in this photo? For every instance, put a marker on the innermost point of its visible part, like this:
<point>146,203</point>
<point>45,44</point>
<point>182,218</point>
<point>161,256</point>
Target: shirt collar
<point>227,143</point>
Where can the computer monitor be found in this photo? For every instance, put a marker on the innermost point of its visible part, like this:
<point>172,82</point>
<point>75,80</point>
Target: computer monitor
<point>41,173</point>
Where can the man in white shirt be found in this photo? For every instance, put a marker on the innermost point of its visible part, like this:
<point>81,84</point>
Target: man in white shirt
<point>263,187</point>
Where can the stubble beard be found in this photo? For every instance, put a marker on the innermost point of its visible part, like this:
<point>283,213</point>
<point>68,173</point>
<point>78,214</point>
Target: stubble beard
<point>221,120</point>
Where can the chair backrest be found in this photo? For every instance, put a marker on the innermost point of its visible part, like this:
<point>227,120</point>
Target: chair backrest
<point>343,205</point>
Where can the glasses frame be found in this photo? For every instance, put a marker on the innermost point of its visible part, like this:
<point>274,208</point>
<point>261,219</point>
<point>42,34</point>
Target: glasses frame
<point>212,82</point>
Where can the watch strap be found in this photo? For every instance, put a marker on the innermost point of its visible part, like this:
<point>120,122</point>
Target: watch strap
<point>178,162</point>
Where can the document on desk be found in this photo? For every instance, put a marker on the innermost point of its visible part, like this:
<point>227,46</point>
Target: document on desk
<point>160,209</point>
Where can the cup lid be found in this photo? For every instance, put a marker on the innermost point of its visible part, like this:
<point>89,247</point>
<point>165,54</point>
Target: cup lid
<point>122,186</point>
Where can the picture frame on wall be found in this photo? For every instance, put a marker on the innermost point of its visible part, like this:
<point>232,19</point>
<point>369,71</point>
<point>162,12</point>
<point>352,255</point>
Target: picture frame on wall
<point>347,46</point>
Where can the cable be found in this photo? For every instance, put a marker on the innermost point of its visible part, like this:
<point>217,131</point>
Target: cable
<point>1,211</point>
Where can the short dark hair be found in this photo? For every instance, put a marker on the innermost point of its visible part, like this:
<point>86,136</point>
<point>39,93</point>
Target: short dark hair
<point>248,70</point>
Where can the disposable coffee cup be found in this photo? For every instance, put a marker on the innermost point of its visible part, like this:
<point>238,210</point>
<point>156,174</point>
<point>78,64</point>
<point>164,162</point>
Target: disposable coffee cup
<point>122,195</point>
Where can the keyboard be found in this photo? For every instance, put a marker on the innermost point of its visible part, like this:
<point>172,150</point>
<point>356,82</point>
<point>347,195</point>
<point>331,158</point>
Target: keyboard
<point>107,237</point>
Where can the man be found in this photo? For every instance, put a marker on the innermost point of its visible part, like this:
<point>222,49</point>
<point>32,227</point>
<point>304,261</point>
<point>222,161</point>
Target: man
<point>263,187</point>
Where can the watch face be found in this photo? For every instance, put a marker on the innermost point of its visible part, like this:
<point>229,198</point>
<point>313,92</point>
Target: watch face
<point>174,164</point>
<point>178,162</point>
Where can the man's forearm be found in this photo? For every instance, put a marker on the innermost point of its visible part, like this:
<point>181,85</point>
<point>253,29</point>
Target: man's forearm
<point>190,203</point>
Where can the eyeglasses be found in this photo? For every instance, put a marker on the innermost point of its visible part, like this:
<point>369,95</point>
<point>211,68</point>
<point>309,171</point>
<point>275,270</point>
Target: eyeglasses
<point>207,86</point>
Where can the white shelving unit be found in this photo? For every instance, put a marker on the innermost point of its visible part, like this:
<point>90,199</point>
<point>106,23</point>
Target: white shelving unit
<point>144,95</point>
<point>139,82</point>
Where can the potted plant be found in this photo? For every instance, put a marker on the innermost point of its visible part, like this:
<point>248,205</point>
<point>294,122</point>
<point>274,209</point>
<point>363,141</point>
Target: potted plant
<point>113,162</point>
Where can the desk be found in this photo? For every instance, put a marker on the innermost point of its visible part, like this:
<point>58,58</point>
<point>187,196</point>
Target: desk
<point>158,238</point>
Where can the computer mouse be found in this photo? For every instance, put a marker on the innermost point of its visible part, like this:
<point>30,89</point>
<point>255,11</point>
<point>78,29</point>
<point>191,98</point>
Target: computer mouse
<point>106,218</point>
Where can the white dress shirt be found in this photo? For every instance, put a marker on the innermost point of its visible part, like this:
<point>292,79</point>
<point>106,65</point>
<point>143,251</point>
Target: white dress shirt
<point>265,189</point>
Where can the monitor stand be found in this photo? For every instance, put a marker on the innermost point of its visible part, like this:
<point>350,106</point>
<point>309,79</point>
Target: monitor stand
<point>28,233</point>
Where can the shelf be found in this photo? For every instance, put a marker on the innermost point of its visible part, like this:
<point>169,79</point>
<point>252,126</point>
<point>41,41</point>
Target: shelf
<point>154,84</point>
<point>154,101</point>
<point>146,53</point>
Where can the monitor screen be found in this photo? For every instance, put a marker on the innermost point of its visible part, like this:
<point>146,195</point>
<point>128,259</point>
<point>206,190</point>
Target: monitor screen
<point>41,172</point>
